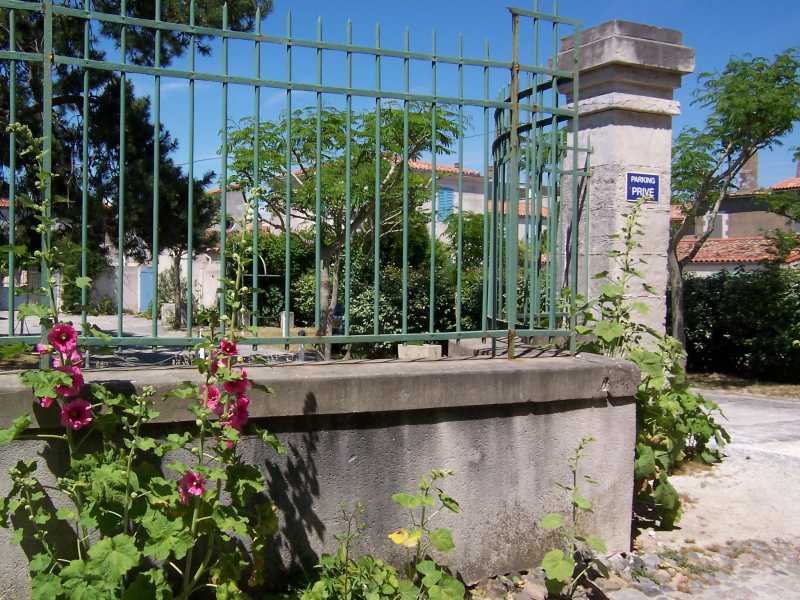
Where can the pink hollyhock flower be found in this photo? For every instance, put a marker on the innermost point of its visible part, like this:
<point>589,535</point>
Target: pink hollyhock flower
<point>63,337</point>
<point>76,414</point>
<point>42,348</point>
<point>75,387</point>
<point>228,347</point>
<point>213,399</point>
<point>238,386</point>
<point>191,484</point>
<point>239,413</point>
<point>46,401</point>
<point>215,363</point>
<point>74,358</point>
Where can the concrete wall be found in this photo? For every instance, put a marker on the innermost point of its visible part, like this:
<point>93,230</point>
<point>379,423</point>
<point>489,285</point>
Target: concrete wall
<point>361,432</point>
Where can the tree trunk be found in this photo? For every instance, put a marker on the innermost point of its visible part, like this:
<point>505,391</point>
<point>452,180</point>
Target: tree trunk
<point>328,298</point>
<point>180,301</point>
<point>676,295</point>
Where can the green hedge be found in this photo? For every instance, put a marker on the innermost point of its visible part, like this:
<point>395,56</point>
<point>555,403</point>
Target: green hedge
<point>745,323</point>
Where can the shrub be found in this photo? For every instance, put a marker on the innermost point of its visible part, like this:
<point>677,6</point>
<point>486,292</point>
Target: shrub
<point>745,323</point>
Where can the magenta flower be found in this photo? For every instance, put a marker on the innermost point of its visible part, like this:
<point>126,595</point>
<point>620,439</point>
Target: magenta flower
<point>63,337</point>
<point>238,385</point>
<point>75,387</point>
<point>42,348</point>
<point>213,399</point>
<point>74,358</point>
<point>76,414</point>
<point>239,414</point>
<point>228,347</point>
<point>215,363</point>
<point>191,484</point>
<point>46,401</point>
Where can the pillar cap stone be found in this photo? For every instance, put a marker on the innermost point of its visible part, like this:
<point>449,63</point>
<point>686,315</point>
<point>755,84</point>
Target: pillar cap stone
<point>629,43</point>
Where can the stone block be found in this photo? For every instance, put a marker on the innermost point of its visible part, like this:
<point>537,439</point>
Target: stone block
<point>423,352</point>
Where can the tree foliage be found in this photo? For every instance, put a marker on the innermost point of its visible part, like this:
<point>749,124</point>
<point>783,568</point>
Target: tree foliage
<point>751,105</point>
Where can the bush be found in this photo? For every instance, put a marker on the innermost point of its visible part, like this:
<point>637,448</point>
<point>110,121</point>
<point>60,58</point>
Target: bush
<point>746,323</point>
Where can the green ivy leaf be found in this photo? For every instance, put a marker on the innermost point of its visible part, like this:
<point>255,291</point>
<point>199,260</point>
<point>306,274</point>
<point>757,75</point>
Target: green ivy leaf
<point>552,521</point>
<point>442,539</point>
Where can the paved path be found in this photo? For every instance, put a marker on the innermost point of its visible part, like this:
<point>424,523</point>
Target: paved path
<point>739,538</point>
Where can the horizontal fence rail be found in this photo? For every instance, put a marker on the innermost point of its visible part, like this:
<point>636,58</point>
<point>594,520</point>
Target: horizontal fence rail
<point>519,278</point>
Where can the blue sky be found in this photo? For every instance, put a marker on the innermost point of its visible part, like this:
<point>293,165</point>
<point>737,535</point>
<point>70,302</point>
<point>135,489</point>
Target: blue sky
<point>717,29</point>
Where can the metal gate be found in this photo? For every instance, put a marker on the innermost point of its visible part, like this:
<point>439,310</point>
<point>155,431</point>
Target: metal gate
<point>532,167</point>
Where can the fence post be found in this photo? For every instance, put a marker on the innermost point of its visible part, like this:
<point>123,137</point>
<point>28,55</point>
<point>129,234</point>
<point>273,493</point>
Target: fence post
<point>628,72</point>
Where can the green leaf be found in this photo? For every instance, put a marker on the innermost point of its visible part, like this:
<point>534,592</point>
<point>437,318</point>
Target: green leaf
<point>114,557</point>
<point>442,539</point>
<point>270,438</point>
<point>449,503</point>
<point>19,425</point>
<point>558,566</point>
<point>581,502</point>
<point>13,351</point>
<point>426,567</point>
<point>612,290</point>
<point>407,500</point>
<point>83,282</point>
<point>645,465</point>
<point>45,586</point>
<point>552,521</point>
<point>32,310</point>
<point>608,331</point>
<point>39,562</point>
<point>596,544</point>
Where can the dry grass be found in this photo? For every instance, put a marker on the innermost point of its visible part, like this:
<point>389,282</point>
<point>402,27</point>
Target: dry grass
<point>731,383</point>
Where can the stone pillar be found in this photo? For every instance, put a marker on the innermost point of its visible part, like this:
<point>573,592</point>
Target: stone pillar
<point>628,72</point>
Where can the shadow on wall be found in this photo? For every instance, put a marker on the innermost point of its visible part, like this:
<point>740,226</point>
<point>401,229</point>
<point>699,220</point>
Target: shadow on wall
<point>293,485</point>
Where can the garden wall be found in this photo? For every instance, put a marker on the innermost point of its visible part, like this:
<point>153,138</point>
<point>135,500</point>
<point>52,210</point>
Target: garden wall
<point>363,431</point>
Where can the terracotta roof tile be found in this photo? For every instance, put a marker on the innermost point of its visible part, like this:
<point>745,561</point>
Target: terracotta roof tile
<point>793,183</point>
<point>736,250</point>
<point>417,165</point>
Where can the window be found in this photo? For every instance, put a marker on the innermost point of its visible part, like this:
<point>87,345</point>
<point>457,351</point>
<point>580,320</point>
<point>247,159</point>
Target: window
<point>444,202</point>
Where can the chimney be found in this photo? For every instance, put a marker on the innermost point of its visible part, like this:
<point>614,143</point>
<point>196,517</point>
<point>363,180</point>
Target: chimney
<point>748,176</point>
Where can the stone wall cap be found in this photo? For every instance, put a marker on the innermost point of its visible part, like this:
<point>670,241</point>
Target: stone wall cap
<point>621,27</point>
<point>369,386</point>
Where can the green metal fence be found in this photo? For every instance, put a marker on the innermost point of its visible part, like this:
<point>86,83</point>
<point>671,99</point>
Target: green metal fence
<point>533,165</point>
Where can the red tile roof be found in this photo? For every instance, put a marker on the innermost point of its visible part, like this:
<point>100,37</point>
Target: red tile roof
<point>417,165</point>
<point>736,250</point>
<point>793,183</point>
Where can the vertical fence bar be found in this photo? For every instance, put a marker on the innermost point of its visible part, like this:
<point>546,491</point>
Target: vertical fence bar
<point>347,182</point>
<point>121,202</point>
<point>223,188</point>
<point>47,132</point>
<point>573,263</point>
<point>12,170</point>
<point>288,215</point>
<point>256,173</point>
<point>537,152</point>
<point>376,261</point>
<point>190,204</point>
<point>552,201</point>
<point>406,89</point>
<point>156,173</point>
<point>318,191</point>
<point>460,246</point>
<point>485,299</point>
<point>586,209</point>
<point>432,291</point>
<point>512,254</point>
<point>84,171</point>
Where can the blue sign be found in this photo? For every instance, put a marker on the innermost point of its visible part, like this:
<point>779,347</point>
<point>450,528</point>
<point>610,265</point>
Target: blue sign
<point>642,185</point>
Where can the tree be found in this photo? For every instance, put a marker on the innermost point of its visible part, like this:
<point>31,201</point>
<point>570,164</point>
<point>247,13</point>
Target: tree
<point>753,103</point>
<point>268,189</point>
<point>103,120</point>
